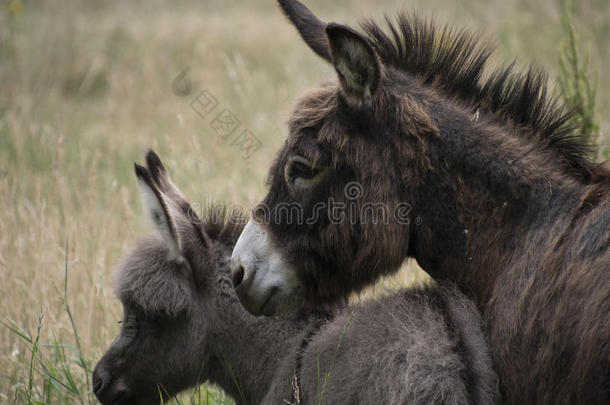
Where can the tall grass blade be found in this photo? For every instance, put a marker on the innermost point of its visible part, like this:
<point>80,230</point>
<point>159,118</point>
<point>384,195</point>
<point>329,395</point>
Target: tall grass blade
<point>33,359</point>
<point>578,90</point>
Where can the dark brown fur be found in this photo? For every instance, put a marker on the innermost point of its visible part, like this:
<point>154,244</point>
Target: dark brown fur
<point>504,201</point>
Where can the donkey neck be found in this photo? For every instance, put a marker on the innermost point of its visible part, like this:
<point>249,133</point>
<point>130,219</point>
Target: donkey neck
<point>248,352</point>
<point>487,198</point>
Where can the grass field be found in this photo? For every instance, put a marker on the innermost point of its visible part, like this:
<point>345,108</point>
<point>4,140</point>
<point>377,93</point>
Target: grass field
<point>87,87</point>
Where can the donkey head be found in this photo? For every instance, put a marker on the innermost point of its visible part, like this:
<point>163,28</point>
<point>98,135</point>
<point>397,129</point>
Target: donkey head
<point>300,242</point>
<point>165,285</point>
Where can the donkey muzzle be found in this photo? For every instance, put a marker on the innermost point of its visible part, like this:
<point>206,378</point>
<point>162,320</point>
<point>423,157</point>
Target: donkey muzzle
<point>263,280</point>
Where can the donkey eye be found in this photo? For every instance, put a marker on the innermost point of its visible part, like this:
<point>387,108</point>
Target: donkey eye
<point>300,170</point>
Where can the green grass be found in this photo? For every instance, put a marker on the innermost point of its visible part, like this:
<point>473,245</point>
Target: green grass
<point>578,89</point>
<point>86,89</point>
<point>323,380</point>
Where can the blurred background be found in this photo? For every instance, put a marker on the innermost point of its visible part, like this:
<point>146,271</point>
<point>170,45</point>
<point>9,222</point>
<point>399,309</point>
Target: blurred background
<point>86,87</point>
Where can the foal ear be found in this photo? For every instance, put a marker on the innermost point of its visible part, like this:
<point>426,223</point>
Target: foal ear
<point>162,180</point>
<point>312,30</point>
<point>168,188</point>
<point>158,210</point>
<point>356,64</point>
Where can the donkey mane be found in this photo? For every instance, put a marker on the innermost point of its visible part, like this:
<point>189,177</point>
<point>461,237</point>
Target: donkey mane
<point>223,225</point>
<point>454,62</point>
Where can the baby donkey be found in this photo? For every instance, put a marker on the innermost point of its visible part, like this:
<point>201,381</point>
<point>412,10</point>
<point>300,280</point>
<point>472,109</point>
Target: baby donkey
<point>183,325</point>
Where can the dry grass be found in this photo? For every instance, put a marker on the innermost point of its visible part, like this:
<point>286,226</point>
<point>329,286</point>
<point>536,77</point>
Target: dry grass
<point>87,88</point>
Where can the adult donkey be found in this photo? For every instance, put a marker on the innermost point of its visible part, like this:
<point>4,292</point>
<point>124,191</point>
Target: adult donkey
<point>503,200</point>
<point>183,325</point>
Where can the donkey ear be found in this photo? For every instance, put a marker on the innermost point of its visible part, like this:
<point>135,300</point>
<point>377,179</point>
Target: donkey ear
<point>356,64</point>
<point>168,188</point>
<point>309,26</point>
<point>156,206</point>
<point>162,180</point>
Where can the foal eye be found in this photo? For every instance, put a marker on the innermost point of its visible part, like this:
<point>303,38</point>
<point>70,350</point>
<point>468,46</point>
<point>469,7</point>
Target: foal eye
<point>300,173</point>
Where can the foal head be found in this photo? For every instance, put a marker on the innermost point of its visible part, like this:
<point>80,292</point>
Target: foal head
<point>344,188</point>
<point>165,284</point>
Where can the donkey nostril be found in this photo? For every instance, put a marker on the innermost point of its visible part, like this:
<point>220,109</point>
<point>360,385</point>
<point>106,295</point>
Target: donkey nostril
<point>99,385</point>
<point>238,276</point>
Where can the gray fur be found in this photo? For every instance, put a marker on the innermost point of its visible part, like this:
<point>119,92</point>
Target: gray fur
<point>401,349</point>
<point>184,325</point>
